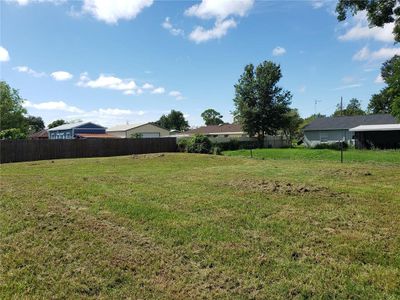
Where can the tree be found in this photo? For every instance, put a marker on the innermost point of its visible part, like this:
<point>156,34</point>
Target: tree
<point>35,124</point>
<point>292,124</point>
<point>388,99</point>
<point>352,109</point>
<point>212,117</point>
<point>12,134</point>
<point>379,12</point>
<point>260,105</point>
<point>309,119</point>
<point>12,113</point>
<point>175,120</point>
<point>57,123</point>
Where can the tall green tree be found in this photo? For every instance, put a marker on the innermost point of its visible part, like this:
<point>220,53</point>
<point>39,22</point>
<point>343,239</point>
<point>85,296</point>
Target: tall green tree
<point>292,124</point>
<point>35,124</point>
<point>212,117</point>
<point>379,12</point>
<point>388,99</point>
<point>353,108</point>
<point>175,120</point>
<point>12,113</point>
<point>260,104</point>
<point>57,123</point>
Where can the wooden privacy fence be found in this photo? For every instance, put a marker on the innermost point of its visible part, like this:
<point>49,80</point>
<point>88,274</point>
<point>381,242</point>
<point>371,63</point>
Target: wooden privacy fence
<point>30,150</point>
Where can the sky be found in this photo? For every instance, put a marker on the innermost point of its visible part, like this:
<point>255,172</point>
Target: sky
<point>113,62</point>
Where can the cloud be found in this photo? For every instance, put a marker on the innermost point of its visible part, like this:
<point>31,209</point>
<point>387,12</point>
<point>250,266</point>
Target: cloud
<point>53,105</point>
<point>199,34</point>
<point>4,56</point>
<point>379,79</point>
<point>129,92</point>
<point>61,75</point>
<point>172,30</point>
<point>27,70</point>
<point>107,82</point>
<point>222,11</point>
<point>348,86</point>
<point>159,90</point>
<point>317,4</point>
<point>360,30</point>
<point>26,2</point>
<point>379,55</point>
<point>177,94</point>
<point>302,89</point>
<point>147,86</point>
<point>111,11</point>
<point>278,51</point>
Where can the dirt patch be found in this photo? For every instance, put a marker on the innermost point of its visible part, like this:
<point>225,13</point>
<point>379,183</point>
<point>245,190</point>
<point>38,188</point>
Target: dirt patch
<point>280,187</point>
<point>355,173</point>
<point>150,155</point>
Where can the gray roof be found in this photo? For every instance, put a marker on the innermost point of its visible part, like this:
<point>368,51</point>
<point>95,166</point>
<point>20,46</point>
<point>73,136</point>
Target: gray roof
<point>71,125</point>
<point>347,122</point>
<point>125,127</point>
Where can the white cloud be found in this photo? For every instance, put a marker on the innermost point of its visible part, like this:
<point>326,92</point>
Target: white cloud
<point>173,30</point>
<point>107,82</point>
<point>379,55</point>
<point>27,70</point>
<point>159,90</point>
<point>26,2</point>
<point>317,4</point>
<point>348,86</point>
<point>129,92</point>
<point>360,30</point>
<point>4,56</point>
<point>111,11</point>
<point>53,105</point>
<point>220,11</point>
<point>177,94</point>
<point>278,51</point>
<point>302,89</point>
<point>61,75</point>
<point>379,79</point>
<point>199,34</point>
<point>147,86</point>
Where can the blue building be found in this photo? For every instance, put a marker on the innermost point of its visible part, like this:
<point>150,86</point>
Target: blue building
<point>77,130</point>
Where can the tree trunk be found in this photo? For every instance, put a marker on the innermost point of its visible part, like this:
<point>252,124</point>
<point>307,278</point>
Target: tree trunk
<point>260,138</point>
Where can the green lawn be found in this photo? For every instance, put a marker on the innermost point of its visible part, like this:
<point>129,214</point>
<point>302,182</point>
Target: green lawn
<point>199,226</point>
<point>351,155</point>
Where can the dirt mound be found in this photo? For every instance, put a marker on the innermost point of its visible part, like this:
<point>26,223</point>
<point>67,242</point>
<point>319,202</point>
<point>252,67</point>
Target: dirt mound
<point>150,155</point>
<point>356,173</point>
<point>280,187</point>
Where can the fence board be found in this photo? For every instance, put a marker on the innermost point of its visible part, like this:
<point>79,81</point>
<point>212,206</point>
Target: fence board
<point>30,150</point>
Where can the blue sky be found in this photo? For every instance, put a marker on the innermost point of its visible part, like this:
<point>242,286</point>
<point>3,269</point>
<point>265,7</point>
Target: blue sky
<point>124,60</point>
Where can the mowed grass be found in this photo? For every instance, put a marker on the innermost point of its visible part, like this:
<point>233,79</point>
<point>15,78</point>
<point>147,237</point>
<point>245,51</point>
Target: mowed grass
<point>184,226</point>
<point>350,155</point>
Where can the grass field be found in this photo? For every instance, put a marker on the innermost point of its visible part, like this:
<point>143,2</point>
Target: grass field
<point>351,155</point>
<point>199,226</point>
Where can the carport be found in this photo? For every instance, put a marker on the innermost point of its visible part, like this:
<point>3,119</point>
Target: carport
<point>385,136</point>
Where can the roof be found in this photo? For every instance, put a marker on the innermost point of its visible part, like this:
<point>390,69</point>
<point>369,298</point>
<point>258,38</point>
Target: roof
<point>126,127</point>
<point>96,135</point>
<point>217,129</point>
<point>42,134</point>
<point>72,125</point>
<point>347,122</point>
<point>380,127</point>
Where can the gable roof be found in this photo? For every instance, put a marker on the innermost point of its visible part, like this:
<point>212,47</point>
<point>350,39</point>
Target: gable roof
<point>72,125</point>
<point>347,122</point>
<point>40,134</point>
<point>216,129</point>
<point>126,127</point>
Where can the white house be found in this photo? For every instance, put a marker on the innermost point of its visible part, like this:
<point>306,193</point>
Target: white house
<point>146,130</point>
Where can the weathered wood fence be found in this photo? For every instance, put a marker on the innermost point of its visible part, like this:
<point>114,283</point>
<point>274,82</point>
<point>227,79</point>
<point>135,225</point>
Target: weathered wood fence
<point>30,150</point>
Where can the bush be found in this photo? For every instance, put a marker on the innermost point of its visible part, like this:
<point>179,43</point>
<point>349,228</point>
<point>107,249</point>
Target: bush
<point>216,150</point>
<point>12,134</point>
<point>332,146</point>
<point>199,144</point>
<point>183,144</point>
<point>235,144</point>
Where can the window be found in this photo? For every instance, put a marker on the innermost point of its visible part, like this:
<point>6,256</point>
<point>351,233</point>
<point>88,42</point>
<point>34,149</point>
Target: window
<point>68,135</point>
<point>323,137</point>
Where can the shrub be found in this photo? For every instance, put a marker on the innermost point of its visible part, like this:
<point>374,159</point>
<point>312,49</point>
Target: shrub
<point>216,150</point>
<point>234,144</point>
<point>12,134</point>
<point>332,146</point>
<point>199,144</point>
<point>183,144</point>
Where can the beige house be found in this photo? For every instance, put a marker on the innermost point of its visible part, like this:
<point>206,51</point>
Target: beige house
<point>147,130</point>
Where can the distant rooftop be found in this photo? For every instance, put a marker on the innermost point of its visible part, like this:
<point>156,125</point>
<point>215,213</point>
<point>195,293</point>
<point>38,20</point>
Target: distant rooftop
<point>125,127</point>
<point>71,125</point>
<point>347,122</point>
<point>216,129</point>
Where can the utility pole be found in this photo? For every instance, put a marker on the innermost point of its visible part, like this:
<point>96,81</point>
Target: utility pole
<point>342,141</point>
<point>341,106</point>
<point>315,106</point>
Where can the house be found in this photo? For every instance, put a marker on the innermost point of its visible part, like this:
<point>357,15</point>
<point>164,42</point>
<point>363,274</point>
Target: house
<point>145,130</point>
<point>40,135</point>
<point>78,130</point>
<point>334,129</point>
<point>226,132</point>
